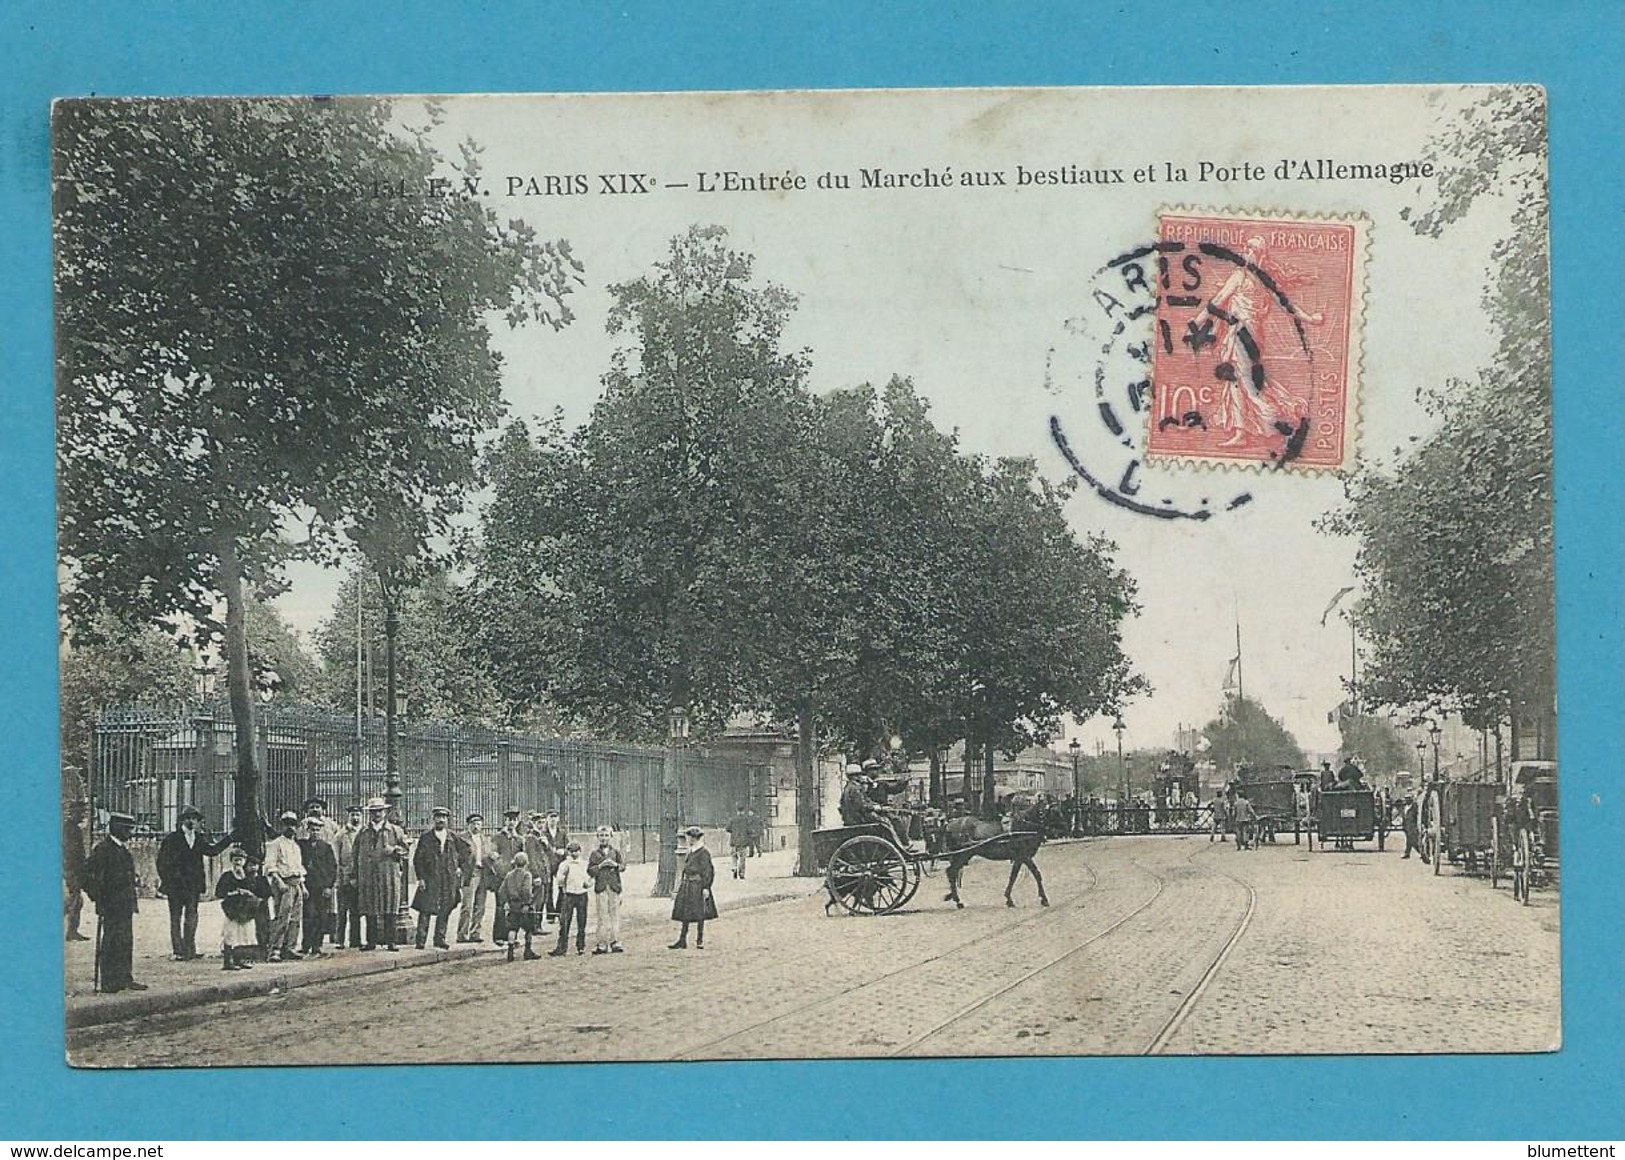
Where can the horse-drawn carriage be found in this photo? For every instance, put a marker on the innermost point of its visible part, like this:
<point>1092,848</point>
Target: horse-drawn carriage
<point>867,871</point>
<point>1280,798</point>
<point>1531,822</point>
<point>1462,825</point>
<point>1346,816</point>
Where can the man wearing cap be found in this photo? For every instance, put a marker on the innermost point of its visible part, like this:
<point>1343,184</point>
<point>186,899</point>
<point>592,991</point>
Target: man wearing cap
<point>438,863</point>
<point>544,861</point>
<point>181,879</point>
<point>316,807</point>
<point>347,920</point>
<point>859,809</point>
<point>284,870</point>
<point>505,843</point>
<point>380,851</point>
<point>321,882</point>
<point>110,882</point>
<point>472,915</point>
<point>558,841</point>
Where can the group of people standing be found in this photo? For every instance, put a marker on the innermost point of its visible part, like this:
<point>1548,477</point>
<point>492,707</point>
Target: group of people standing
<point>320,880</point>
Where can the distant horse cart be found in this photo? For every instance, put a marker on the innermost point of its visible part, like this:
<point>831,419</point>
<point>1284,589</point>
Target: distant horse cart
<point>1463,826</point>
<point>1347,816</point>
<point>1530,816</point>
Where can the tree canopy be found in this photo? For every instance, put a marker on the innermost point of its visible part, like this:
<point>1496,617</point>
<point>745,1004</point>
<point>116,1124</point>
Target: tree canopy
<point>1245,734</point>
<point>275,318</point>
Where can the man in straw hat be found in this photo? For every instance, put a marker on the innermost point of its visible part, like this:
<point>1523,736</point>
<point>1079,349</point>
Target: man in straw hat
<point>181,879</point>
<point>284,870</point>
<point>380,851</point>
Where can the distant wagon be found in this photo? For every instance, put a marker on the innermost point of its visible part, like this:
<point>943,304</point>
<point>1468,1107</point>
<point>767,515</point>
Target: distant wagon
<point>1346,816</point>
<point>1463,827</point>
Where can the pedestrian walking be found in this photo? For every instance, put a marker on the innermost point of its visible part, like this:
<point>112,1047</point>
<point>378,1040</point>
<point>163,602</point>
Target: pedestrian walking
<point>739,831</point>
<point>73,868</point>
<point>181,879</point>
<point>284,870</point>
<point>438,863</point>
<point>380,852</point>
<point>110,883</point>
<point>471,915</point>
<point>571,884</point>
<point>758,833</point>
<point>1409,819</point>
<point>1246,820</point>
<point>693,902</point>
<point>514,896</point>
<point>321,883</point>
<point>239,897</point>
<point>1220,819</point>
<point>505,843</point>
<point>347,918</point>
<point>605,866</point>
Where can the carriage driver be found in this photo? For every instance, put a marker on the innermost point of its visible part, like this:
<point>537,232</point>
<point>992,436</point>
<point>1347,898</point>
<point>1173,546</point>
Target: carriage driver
<point>859,809</point>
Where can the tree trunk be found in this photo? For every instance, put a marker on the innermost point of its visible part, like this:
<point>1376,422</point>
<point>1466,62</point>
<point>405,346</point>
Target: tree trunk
<point>245,816</point>
<point>990,795</point>
<point>670,819</point>
<point>806,790</point>
<point>967,784</point>
<point>934,791</point>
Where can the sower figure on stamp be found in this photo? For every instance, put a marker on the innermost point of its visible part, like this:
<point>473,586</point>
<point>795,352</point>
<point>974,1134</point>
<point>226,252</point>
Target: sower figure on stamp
<point>694,902</point>
<point>181,879</point>
<point>73,866</point>
<point>380,851</point>
<point>438,863</point>
<point>110,882</point>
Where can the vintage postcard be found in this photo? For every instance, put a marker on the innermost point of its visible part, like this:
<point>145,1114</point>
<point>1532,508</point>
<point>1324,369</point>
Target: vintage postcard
<point>806,574</point>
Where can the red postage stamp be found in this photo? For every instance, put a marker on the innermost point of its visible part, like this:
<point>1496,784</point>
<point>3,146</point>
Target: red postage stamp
<point>1255,356</point>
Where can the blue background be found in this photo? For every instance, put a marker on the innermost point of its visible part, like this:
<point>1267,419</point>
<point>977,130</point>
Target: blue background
<point>52,49</point>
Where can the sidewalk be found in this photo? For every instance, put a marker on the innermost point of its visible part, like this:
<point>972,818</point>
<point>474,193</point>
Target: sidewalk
<point>174,986</point>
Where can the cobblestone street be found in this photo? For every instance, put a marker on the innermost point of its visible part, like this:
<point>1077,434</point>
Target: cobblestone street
<point>1153,944</point>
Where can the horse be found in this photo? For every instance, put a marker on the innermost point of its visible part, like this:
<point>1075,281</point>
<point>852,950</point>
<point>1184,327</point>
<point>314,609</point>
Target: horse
<point>1017,848</point>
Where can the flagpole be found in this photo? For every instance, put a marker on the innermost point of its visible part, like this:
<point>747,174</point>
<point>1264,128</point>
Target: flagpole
<point>1241,690</point>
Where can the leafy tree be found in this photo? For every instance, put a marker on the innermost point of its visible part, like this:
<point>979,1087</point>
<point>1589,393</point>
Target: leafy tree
<point>442,679</point>
<point>281,665</point>
<point>117,664</point>
<point>1456,537</point>
<point>1245,734</point>
<point>1375,743</point>
<point>274,319</point>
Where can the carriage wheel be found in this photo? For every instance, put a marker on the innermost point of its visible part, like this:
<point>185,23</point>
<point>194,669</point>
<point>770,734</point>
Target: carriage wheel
<point>913,883</point>
<point>869,875</point>
<point>1495,852</point>
<point>1521,862</point>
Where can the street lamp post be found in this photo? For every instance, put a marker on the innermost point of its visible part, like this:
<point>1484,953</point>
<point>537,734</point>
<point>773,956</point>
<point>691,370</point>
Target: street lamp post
<point>1072,811</point>
<point>1122,769</point>
<point>1435,730</point>
<point>670,802</point>
<point>1422,760</point>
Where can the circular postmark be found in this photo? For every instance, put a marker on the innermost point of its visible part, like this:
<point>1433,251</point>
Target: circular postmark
<point>1190,351</point>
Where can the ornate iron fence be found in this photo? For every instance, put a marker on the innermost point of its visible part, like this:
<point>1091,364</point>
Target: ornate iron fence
<point>150,760</point>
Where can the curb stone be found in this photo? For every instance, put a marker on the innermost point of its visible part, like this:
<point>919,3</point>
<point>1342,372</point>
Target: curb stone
<point>128,1007</point>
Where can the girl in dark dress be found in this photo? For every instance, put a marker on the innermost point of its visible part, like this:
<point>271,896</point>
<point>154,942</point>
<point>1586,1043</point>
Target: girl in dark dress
<point>694,902</point>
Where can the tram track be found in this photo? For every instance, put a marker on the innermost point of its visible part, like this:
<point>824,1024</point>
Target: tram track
<point>972,1008</point>
<point>1165,1035</point>
<point>1051,912</point>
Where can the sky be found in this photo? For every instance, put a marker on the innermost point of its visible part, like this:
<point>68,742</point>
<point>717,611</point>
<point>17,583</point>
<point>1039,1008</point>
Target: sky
<point>976,294</point>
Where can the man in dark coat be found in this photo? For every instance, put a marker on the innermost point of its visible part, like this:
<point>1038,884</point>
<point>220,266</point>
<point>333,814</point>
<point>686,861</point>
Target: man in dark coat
<point>73,866</point>
<point>504,844</point>
<point>110,882</point>
<point>321,884</point>
<point>438,863</point>
<point>181,879</point>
